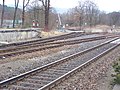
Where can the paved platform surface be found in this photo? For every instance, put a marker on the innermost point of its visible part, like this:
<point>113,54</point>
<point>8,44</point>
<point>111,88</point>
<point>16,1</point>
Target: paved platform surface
<point>116,87</point>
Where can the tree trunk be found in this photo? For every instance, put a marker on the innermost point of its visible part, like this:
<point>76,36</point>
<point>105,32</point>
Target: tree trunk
<point>2,13</point>
<point>47,7</point>
<point>23,12</point>
<point>14,18</point>
<point>16,7</point>
<point>46,20</point>
<point>23,20</point>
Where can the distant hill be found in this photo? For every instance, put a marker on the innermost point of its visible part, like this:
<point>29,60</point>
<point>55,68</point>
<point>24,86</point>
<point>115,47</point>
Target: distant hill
<point>9,11</point>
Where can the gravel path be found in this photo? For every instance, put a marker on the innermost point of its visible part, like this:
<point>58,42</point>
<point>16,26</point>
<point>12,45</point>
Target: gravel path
<point>14,66</point>
<point>92,77</point>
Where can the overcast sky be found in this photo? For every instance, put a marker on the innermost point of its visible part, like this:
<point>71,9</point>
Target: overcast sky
<point>106,5</point>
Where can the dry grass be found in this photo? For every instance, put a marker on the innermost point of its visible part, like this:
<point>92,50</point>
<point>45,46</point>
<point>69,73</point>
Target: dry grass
<point>51,34</point>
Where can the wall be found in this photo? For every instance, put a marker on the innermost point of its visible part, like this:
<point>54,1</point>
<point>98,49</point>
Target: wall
<point>14,36</point>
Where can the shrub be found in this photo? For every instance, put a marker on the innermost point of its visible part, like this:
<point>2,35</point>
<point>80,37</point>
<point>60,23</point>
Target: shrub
<point>116,68</point>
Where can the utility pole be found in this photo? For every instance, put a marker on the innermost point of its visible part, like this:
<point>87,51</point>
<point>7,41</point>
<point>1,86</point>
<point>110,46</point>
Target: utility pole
<point>59,20</point>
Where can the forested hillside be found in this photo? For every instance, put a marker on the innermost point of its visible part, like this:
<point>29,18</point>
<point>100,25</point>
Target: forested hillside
<point>9,11</point>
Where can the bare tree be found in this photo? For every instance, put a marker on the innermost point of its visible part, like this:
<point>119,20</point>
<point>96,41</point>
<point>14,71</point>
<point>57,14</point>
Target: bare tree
<point>86,13</point>
<point>25,3</point>
<point>16,7</point>
<point>80,12</point>
<point>2,13</point>
<point>91,12</point>
<point>114,18</point>
<point>46,5</point>
<point>35,13</point>
<point>52,18</point>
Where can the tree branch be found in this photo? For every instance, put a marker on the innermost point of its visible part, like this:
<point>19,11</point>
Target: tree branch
<point>16,3</point>
<point>43,3</point>
<point>27,3</point>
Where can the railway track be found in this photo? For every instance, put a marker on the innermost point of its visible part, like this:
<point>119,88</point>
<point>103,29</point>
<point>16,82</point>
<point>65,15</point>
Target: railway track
<point>13,51</point>
<point>36,44</point>
<point>47,76</point>
<point>43,40</point>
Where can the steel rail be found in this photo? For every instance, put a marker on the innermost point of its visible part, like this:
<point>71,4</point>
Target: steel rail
<point>8,53</point>
<point>39,40</point>
<point>79,68</point>
<point>44,41</point>
<point>21,76</point>
<point>42,44</point>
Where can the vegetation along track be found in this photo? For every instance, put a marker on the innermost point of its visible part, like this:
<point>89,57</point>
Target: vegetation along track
<point>7,52</point>
<point>47,76</point>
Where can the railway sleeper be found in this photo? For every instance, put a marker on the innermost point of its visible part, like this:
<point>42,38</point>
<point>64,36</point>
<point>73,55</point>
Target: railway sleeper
<point>16,87</point>
<point>58,70</point>
<point>29,84</point>
<point>45,75</point>
<point>63,69</point>
<point>35,80</point>
<point>42,78</point>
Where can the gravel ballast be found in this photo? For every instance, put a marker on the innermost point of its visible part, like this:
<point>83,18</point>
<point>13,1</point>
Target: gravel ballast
<point>14,67</point>
<point>93,76</point>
